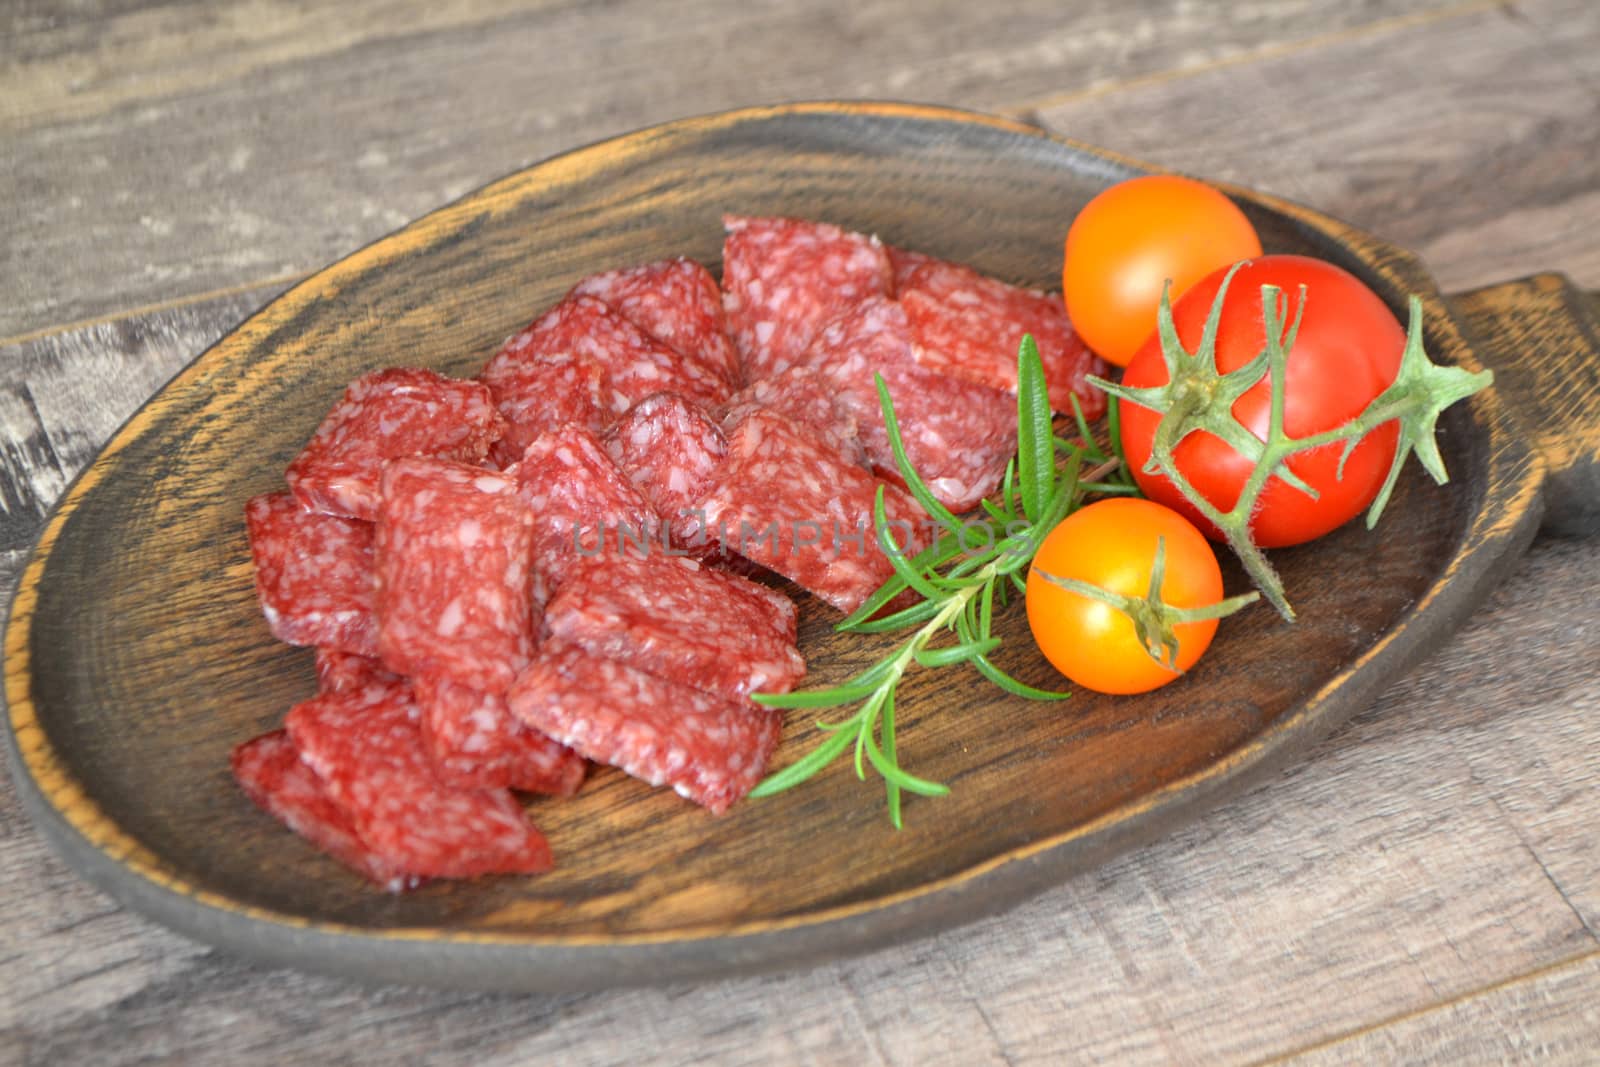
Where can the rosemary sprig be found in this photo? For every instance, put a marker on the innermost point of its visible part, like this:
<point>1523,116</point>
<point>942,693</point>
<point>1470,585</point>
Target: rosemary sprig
<point>957,579</point>
<point>1197,396</point>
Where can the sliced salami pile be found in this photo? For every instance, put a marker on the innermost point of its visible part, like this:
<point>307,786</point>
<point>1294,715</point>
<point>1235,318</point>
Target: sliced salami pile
<point>508,577</point>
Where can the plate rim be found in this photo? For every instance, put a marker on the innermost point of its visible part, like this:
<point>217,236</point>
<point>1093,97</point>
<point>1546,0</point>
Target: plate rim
<point>98,847</point>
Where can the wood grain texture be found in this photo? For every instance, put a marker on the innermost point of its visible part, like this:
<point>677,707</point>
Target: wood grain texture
<point>1472,141</point>
<point>62,396</point>
<point>270,137</point>
<point>1361,888</point>
<point>1556,401</point>
<point>1550,1018</point>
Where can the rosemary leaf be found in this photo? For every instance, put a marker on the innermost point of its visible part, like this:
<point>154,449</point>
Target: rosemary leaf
<point>818,698</point>
<point>897,559</point>
<point>986,667</point>
<point>1036,445</point>
<point>914,483</point>
<point>942,551</point>
<point>944,657</point>
<point>887,755</point>
<point>804,768</point>
<point>900,778</point>
<point>920,612</point>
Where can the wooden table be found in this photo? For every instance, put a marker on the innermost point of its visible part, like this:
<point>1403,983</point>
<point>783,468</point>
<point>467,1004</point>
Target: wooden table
<point>1424,888</point>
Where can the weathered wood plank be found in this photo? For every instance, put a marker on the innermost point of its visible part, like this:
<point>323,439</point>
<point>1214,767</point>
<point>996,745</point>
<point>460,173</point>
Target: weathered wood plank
<point>1473,141</point>
<point>1546,778</point>
<point>94,58</point>
<point>78,954</point>
<point>24,22</point>
<point>144,131</point>
<point>64,394</point>
<point>31,474</point>
<point>11,562</point>
<point>87,61</point>
<point>1439,844</point>
<point>1552,1017</point>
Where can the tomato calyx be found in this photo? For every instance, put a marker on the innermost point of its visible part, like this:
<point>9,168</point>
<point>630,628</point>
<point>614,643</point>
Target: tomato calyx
<point>1197,397</point>
<point>1421,392</point>
<point>1154,620</point>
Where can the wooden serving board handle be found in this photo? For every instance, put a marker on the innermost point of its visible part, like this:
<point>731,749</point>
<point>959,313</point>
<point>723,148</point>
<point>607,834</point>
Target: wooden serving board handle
<point>1541,337</point>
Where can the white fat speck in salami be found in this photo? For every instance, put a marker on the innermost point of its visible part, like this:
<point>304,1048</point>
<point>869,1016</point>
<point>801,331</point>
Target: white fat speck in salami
<point>385,415</point>
<point>708,748</point>
<point>452,558</point>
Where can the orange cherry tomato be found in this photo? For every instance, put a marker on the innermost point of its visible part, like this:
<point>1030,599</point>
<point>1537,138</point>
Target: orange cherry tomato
<point>1129,240</point>
<point>1112,544</point>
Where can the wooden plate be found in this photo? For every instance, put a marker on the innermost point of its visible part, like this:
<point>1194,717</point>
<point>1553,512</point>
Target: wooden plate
<point>136,657</point>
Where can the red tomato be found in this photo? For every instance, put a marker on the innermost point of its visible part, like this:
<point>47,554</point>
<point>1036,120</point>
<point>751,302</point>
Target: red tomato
<point>1112,544</point>
<point>1129,240</point>
<point>1347,352</point>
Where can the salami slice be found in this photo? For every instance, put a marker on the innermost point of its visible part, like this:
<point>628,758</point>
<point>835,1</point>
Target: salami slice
<point>968,325</point>
<point>476,743</point>
<point>670,449</point>
<point>385,415</point>
<point>707,747</point>
<point>958,434</point>
<point>636,364</point>
<point>784,279</point>
<point>271,773</point>
<point>902,261</point>
<point>680,620</point>
<point>338,671</point>
<point>675,301</point>
<point>543,392</point>
<point>313,574</point>
<point>366,748</point>
<point>582,505</point>
<point>811,402</point>
<point>789,504</point>
<point>452,554</point>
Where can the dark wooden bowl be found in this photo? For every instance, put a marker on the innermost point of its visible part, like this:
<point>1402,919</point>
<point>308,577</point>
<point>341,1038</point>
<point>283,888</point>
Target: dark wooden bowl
<point>136,657</point>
